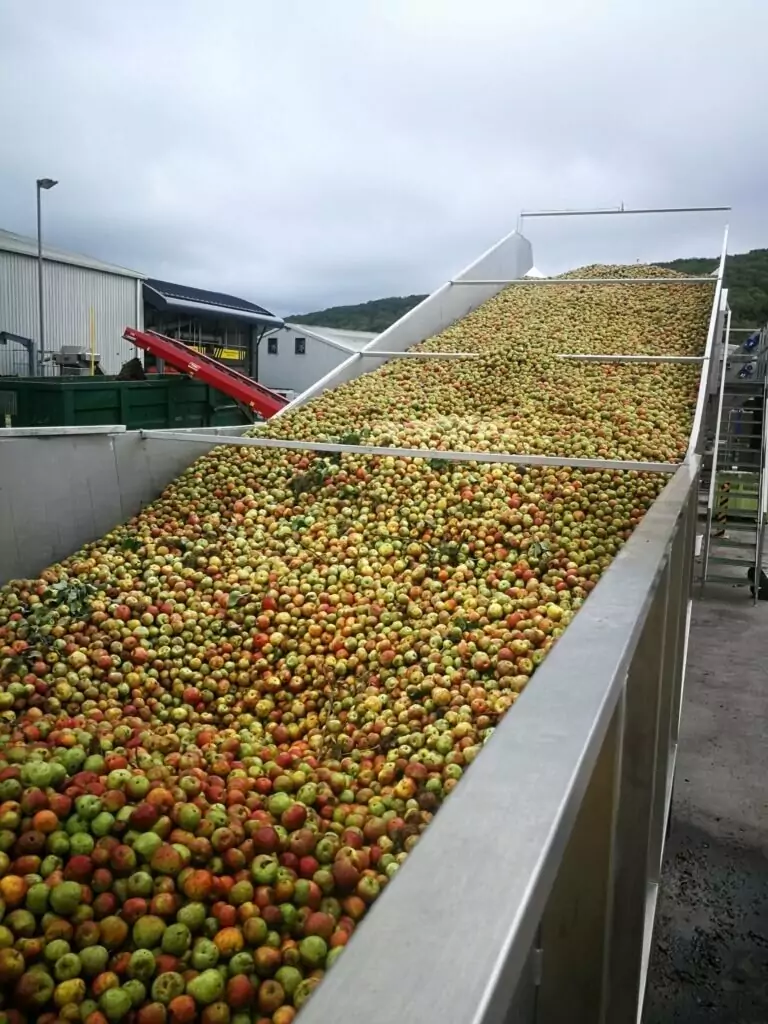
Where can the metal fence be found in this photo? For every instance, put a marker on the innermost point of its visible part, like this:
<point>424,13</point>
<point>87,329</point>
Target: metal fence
<point>15,362</point>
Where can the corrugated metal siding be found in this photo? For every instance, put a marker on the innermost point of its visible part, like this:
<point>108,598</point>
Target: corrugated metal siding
<point>11,242</point>
<point>70,292</point>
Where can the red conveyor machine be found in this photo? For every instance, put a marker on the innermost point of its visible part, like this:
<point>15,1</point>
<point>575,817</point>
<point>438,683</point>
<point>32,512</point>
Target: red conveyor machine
<point>181,357</point>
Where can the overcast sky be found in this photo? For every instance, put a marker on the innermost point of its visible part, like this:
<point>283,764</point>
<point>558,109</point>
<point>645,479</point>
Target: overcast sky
<point>305,154</point>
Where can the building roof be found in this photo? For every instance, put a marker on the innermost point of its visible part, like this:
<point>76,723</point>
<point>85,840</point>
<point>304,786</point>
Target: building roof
<point>337,337</point>
<point>166,294</point>
<point>11,242</point>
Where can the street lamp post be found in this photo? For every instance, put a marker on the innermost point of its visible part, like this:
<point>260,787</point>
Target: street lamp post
<point>42,183</point>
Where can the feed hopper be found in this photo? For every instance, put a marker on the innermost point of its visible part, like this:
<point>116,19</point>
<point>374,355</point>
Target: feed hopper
<point>271,678</point>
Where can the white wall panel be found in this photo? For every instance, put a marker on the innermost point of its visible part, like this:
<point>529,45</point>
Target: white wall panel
<point>56,492</point>
<point>59,491</point>
<point>289,371</point>
<point>69,294</point>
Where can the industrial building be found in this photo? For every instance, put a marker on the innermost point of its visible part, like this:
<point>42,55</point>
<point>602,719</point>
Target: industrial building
<point>89,303</point>
<point>219,325</point>
<point>83,297</point>
<point>295,356</point>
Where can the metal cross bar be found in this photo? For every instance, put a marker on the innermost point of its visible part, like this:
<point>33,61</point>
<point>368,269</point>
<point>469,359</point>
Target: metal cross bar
<point>629,359</point>
<point>589,280</point>
<point>420,355</point>
<point>613,211</point>
<point>412,453</point>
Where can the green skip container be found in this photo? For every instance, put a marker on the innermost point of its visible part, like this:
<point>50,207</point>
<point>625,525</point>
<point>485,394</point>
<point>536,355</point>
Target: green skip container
<point>163,401</point>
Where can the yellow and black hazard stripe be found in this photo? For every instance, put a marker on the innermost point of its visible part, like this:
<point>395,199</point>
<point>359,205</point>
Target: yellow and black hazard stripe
<point>721,512</point>
<point>220,352</point>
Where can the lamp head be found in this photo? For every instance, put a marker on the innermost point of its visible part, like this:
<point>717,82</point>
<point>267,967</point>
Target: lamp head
<point>46,183</point>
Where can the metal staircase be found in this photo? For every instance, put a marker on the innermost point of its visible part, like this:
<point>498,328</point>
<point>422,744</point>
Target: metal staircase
<point>734,467</point>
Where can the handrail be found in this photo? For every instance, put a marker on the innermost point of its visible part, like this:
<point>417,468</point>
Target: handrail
<point>623,211</point>
<point>586,280</point>
<point>705,369</point>
<point>715,451</point>
<point>760,514</point>
<point>336,448</point>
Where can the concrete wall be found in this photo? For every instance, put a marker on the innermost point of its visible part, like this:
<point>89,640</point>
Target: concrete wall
<point>512,257</point>
<point>69,293</point>
<point>287,370</point>
<point>62,487</point>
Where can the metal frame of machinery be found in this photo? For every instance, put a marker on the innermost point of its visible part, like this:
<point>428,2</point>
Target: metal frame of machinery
<point>735,469</point>
<point>531,897</point>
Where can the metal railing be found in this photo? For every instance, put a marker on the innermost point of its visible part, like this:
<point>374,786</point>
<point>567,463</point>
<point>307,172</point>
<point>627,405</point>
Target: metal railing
<point>731,456</point>
<point>715,450</point>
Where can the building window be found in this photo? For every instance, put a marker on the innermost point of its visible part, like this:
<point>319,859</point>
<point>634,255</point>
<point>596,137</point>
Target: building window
<point>272,346</point>
<point>301,346</point>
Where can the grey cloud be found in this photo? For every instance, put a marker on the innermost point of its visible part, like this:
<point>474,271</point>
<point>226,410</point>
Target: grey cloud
<point>304,154</point>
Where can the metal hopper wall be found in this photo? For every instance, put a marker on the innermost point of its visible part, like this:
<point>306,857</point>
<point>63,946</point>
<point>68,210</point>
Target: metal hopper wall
<point>532,895</point>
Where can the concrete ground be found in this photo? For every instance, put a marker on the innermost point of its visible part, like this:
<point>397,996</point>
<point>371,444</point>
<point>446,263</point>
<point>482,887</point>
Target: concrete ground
<point>710,961</point>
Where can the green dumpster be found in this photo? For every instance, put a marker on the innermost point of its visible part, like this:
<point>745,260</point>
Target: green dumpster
<point>163,401</point>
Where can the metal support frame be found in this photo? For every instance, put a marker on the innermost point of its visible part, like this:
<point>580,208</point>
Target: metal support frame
<point>614,211</point>
<point>413,453</point>
<point>578,356</point>
<point>589,280</point>
<point>760,517</point>
<point>621,210</point>
<point>629,359</point>
<point>694,443</point>
<point>421,355</point>
<point>715,452</point>
<point>40,290</point>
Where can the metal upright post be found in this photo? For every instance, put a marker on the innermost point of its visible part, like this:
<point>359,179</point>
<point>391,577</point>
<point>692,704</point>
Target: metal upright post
<point>715,451</point>
<point>760,524</point>
<point>41,314</point>
<point>42,183</point>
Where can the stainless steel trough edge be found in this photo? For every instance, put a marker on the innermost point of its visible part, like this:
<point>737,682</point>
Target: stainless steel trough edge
<point>449,941</point>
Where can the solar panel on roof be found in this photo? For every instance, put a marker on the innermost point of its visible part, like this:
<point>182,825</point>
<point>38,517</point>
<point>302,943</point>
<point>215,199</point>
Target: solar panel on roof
<point>186,293</point>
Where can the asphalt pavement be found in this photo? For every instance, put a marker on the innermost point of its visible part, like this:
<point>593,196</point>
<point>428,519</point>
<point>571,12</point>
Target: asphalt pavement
<point>710,959</point>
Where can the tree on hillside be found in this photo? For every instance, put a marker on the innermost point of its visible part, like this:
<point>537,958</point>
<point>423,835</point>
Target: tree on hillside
<point>746,278</point>
<point>376,315</point>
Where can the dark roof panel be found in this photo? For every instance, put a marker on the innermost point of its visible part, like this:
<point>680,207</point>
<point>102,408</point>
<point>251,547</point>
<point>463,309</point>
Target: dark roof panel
<point>185,293</point>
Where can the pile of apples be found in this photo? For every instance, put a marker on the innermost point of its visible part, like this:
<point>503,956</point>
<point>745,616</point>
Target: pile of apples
<point>225,725</point>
